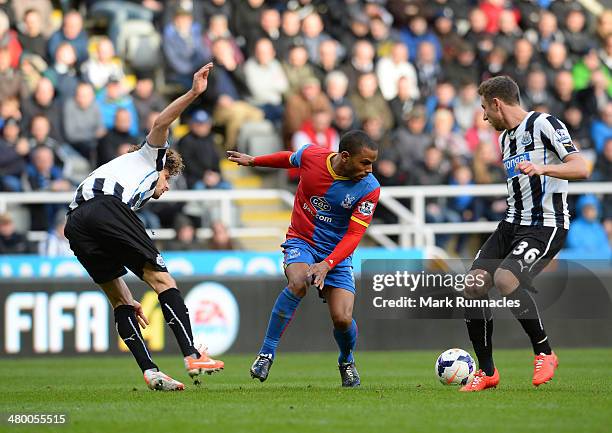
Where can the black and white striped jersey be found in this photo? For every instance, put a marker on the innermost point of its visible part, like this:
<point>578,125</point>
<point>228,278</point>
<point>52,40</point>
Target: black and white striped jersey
<point>131,177</point>
<point>537,200</point>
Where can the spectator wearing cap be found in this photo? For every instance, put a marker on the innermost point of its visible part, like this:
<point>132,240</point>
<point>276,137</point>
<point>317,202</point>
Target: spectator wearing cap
<point>368,101</point>
<point>146,98</point>
<point>417,33</point>
<point>359,26</point>
<point>218,28</point>
<point>82,120</point>
<point>301,105</point>
<point>63,72</point>
<point>518,67</point>
<point>297,68</point>
<point>11,80</point>
<point>43,103</point>
<point>112,98</point>
<point>577,38</point>
<point>99,69</point>
<point>290,33</point>
<point>447,34</point>
<point>428,69</point>
<point>31,35</point>
<point>390,69</point>
<point>56,244</point>
<point>198,149</point>
<point>361,62</point>
<point>120,132</point>
<point>586,234</point>
<point>266,80</point>
<point>183,48</point>
<point>11,241</point>
<point>73,33</point>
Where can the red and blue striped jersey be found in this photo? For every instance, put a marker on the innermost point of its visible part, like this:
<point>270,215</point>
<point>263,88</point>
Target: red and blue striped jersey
<point>325,203</point>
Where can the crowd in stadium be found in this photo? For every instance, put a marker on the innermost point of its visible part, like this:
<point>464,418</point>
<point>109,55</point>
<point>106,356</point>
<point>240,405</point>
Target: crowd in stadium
<point>77,94</point>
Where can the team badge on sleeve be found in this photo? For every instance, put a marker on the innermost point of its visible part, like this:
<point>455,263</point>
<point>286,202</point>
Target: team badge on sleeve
<point>563,137</point>
<point>366,208</point>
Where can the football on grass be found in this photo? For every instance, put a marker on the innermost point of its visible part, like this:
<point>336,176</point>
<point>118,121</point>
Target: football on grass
<point>455,367</point>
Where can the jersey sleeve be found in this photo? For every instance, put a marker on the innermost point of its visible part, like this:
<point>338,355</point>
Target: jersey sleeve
<point>156,156</point>
<point>556,135</point>
<point>296,157</point>
<point>364,208</point>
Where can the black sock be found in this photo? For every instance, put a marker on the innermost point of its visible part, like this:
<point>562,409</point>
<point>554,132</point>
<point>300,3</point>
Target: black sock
<point>128,329</point>
<point>177,316</point>
<point>529,317</point>
<point>479,321</point>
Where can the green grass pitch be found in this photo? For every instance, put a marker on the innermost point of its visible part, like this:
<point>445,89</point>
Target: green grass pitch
<point>399,394</point>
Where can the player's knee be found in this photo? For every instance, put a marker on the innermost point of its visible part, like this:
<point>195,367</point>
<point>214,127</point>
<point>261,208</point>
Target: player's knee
<point>342,320</point>
<point>505,281</point>
<point>159,281</point>
<point>478,285</point>
<point>298,286</point>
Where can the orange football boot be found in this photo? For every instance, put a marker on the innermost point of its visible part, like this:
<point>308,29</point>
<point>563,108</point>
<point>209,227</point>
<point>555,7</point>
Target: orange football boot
<point>544,367</point>
<point>481,381</point>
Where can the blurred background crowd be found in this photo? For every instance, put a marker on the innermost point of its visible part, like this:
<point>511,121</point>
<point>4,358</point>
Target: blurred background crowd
<point>82,81</point>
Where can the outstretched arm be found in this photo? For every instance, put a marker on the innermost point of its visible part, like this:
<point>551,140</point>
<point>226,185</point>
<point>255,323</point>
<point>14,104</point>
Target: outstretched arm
<point>273,160</point>
<point>159,132</point>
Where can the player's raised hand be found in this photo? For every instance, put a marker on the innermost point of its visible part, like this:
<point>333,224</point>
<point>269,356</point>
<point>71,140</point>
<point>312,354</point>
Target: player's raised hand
<point>140,315</point>
<point>200,79</point>
<point>240,158</point>
<point>530,169</point>
<point>317,273</point>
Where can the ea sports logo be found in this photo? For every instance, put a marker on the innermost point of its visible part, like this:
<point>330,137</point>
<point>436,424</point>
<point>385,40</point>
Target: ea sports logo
<point>214,315</point>
<point>320,203</point>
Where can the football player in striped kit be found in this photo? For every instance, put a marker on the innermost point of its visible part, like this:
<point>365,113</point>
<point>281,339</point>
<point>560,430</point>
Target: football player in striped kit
<point>539,158</point>
<point>107,237</point>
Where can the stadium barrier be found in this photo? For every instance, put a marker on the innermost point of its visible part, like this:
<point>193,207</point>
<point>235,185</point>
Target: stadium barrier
<point>229,314</point>
<point>411,229</point>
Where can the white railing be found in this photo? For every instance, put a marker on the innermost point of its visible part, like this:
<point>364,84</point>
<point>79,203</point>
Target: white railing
<point>411,229</point>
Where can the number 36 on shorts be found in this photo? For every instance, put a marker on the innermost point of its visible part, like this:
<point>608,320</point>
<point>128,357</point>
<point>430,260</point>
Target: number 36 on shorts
<point>529,255</point>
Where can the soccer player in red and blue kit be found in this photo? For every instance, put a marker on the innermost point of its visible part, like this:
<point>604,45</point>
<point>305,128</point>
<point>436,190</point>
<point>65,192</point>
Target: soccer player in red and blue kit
<point>334,204</point>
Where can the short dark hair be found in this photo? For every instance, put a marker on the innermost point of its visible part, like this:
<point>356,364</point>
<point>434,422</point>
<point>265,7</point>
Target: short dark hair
<point>353,141</point>
<point>502,87</point>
